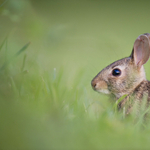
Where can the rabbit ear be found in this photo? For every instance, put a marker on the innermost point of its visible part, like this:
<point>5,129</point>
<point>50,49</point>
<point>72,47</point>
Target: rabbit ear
<point>141,50</point>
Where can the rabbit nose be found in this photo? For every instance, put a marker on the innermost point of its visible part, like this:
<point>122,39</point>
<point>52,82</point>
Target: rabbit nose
<point>93,83</point>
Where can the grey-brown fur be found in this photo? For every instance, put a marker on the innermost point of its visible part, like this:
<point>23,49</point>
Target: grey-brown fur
<point>139,92</point>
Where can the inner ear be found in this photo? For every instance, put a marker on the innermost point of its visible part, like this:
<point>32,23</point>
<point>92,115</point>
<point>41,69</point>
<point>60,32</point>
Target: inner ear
<point>141,50</point>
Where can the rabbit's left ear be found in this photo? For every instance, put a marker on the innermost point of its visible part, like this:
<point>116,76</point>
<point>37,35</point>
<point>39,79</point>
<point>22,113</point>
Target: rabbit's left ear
<point>141,50</point>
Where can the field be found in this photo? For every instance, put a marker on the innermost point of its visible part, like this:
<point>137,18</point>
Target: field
<point>49,53</point>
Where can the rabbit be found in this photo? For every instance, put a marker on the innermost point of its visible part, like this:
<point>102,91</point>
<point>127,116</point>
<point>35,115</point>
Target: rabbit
<point>127,76</point>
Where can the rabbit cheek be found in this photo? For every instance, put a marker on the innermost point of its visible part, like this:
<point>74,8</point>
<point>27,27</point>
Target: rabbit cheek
<point>117,86</point>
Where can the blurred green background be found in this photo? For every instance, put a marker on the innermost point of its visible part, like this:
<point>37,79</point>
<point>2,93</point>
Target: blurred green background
<point>46,100</point>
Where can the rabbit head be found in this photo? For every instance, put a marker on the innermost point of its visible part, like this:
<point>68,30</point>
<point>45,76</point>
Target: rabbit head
<point>124,75</point>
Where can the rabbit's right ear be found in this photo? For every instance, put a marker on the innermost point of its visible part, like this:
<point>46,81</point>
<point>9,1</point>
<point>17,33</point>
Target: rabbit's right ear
<point>141,50</point>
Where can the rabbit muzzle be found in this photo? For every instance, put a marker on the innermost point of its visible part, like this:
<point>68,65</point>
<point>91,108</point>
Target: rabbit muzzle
<point>100,86</point>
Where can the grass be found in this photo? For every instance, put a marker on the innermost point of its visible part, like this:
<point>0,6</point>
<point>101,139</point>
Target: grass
<point>43,112</point>
<point>46,100</point>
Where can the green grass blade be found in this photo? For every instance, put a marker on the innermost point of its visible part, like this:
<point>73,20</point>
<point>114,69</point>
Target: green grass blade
<point>23,63</point>
<point>118,101</point>
<point>3,3</point>
<point>1,46</point>
<point>18,53</point>
<point>22,49</point>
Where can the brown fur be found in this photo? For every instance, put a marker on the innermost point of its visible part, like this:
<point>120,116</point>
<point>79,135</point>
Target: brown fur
<point>138,94</point>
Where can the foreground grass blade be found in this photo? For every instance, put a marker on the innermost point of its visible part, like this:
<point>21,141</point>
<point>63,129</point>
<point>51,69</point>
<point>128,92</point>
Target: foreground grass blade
<point>18,53</point>
<point>3,43</point>
<point>23,64</point>
<point>118,101</point>
<point>3,3</point>
<point>22,49</point>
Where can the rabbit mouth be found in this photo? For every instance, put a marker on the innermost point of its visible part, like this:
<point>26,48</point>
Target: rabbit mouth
<point>105,91</point>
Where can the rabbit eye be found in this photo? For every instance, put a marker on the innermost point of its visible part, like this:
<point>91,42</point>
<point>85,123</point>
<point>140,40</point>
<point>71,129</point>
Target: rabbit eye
<point>116,72</point>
